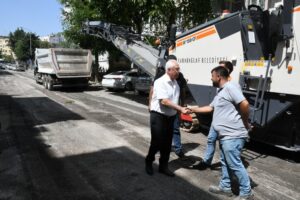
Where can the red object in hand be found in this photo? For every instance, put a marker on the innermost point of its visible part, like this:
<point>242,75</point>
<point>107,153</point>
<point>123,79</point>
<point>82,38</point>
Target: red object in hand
<point>186,117</point>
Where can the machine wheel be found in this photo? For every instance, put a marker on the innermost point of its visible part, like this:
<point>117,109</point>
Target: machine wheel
<point>190,125</point>
<point>128,86</point>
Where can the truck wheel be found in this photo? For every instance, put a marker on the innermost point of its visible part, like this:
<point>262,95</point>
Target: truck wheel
<point>128,86</point>
<point>49,83</point>
<point>45,79</point>
<point>36,77</point>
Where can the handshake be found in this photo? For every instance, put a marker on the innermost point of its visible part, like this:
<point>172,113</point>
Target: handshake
<point>186,110</point>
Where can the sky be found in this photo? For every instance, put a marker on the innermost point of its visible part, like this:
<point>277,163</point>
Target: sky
<point>41,17</point>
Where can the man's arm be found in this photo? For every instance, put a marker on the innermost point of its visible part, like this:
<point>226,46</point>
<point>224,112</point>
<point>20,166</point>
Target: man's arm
<point>169,103</point>
<point>203,109</point>
<point>244,109</point>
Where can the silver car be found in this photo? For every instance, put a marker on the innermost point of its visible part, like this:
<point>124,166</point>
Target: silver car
<point>120,80</point>
<point>143,83</point>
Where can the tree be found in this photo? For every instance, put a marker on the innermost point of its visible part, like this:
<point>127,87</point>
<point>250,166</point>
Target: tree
<point>137,14</point>
<point>23,44</point>
<point>44,44</point>
<point>8,58</point>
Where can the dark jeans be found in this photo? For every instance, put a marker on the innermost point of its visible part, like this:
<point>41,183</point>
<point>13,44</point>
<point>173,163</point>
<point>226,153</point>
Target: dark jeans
<point>176,135</point>
<point>161,137</point>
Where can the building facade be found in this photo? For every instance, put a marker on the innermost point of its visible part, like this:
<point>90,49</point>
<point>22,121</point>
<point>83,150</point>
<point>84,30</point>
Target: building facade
<point>53,38</point>
<point>4,46</point>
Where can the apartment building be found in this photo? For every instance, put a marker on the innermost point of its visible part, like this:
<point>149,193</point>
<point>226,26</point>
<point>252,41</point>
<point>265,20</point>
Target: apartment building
<point>4,46</point>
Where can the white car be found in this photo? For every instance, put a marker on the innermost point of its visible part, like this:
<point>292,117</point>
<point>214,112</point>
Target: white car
<point>120,80</point>
<point>11,66</point>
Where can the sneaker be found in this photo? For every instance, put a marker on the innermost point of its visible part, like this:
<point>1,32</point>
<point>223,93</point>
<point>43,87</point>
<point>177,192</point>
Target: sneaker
<point>201,165</point>
<point>217,190</point>
<point>247,197</point>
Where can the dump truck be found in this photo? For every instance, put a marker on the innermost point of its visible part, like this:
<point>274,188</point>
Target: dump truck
<point>62,67</point>
<point>262,44</point>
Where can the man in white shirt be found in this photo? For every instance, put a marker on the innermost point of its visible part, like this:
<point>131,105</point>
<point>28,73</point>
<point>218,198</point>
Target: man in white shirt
<point>164,106</point>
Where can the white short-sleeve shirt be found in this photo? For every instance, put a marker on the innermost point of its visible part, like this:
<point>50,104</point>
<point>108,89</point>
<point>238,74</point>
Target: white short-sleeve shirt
<point>165,88</point>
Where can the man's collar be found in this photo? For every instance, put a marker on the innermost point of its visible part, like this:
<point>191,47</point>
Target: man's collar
<point>167,77</point>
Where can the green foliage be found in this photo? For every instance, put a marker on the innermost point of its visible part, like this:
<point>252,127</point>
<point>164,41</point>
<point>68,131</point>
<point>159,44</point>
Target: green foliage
<point>19,34</point>
<point>44,44</point>
<point>8,58</point>
<point>23,44</point>
<point>137,14</point>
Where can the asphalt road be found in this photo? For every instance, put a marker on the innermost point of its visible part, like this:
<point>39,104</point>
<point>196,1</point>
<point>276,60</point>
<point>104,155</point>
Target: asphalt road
<point>74,144</point>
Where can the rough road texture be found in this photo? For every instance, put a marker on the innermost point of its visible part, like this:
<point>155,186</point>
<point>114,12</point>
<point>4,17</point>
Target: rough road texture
<point>72,144</point>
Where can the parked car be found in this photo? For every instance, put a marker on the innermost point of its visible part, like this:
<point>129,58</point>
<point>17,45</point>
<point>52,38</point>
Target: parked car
<point>143,83</point>
<point>120,80</point>
<point>20,67</point>
<point>11,66</point>
<point>2,66</point>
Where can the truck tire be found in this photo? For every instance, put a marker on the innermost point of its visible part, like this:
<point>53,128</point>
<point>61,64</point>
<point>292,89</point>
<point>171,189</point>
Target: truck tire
<point>49,83</point>
<point>36,77</point>
<point>45,81</point>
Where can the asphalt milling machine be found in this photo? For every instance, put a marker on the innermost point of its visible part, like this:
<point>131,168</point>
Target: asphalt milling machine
<point>262,44</point>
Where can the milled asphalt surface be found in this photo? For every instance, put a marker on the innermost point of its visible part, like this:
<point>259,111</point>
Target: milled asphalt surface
<point>74,144</point>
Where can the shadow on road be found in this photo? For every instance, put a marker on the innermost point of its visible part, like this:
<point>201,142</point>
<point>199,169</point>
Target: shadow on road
<point>262,150</point>
<point>5,73</point>
<point>113,173</point>
<point>141,99</point>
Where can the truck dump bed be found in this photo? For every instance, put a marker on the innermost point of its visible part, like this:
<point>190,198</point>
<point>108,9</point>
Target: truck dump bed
<point>64,63</point>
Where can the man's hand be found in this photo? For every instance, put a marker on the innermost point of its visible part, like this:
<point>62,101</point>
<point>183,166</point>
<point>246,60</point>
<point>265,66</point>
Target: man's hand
<point>249,127</point>
<point>185,110</point>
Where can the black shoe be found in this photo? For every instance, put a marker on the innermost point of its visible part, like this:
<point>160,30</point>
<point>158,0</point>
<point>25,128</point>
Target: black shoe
<point>218,190</point>
<point>166,171</point>
<point>201,166</point>
<point>149,168</point>
<point>180,154</point>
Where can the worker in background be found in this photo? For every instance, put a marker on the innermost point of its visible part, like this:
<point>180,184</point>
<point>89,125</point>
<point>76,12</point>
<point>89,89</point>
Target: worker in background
<point>163,110</point>
<point>212,135</point>
<point>182,85</point>
<point>230,120</point>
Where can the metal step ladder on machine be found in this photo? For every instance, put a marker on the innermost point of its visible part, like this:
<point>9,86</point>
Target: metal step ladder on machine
<point>258,93</point>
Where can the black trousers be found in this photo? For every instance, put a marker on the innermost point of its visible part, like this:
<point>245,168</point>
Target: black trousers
<point>161,137</point>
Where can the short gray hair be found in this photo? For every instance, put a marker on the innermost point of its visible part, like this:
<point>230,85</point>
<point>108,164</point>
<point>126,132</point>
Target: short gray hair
<point>171,63</point>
